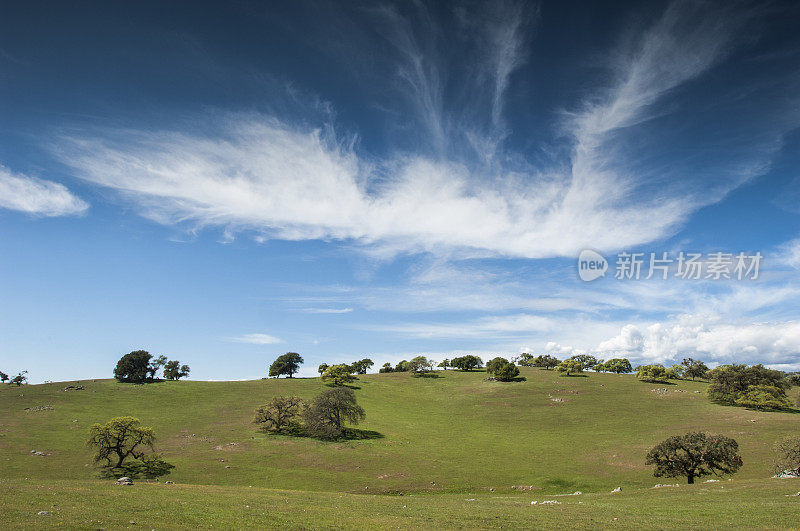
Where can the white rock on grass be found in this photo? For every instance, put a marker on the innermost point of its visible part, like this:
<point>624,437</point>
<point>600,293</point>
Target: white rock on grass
<point>618,489</point>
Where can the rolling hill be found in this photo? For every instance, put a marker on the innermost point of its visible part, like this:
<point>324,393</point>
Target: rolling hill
<point>444,441</point>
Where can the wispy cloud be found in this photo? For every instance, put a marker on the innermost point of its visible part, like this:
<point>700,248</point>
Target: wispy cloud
<point>327,310</point>
<point>789,253</point>
<point>486,327</point>
<point>37,196</point>
<point>286,180</point>
<point>257,339</point>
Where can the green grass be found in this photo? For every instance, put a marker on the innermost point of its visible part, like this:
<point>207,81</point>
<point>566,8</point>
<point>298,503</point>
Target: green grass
<point>445,440</point>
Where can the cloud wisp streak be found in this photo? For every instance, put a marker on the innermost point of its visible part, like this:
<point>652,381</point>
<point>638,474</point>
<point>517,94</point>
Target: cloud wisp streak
<point>37,196</point>
<point>294,182</point>
<point>256,339</point>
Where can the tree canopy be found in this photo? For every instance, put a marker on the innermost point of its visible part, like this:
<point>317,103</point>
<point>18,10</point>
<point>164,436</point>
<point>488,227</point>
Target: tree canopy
<point>338,375</point>
<point>279,415</point>
<point>652,373</point>
<point>730,384</point>
<point>287,364</point>
<point>327,413</point>
<point>467,363</point>
<point>694,368</point>
<point>546,361</point>
<point>695,455</point>
<point>362,366</point>
<point>586,361</point>
<point>525,359</point>
<point>126,447</point>
<point>570,367</point>
<point>134,367</point>
<point>618,366</point>
<point>502,369</point>
<point>173,370</point>
<point>420,365</point>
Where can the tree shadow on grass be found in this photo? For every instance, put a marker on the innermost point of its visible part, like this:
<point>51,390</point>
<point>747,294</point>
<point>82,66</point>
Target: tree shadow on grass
<point>428,375</point>
<point>574,375</point>
<point>517,379</point>
<point>348,434</point>
<point>791,410</point>
<point>349,386</point>
<point>355,434</point>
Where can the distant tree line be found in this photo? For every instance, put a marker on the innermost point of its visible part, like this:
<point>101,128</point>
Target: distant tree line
<point>139,367</point>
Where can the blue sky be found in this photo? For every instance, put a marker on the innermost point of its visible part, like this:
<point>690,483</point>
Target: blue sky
<point>222,184</point>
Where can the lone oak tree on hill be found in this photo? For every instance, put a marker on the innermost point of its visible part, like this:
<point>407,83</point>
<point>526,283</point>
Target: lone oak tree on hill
<point>695,455</point>
<point>118,439</point>
<point>287,364</point>
<point>280,414</point>
<point>327,413</point>
<point>133,367</point>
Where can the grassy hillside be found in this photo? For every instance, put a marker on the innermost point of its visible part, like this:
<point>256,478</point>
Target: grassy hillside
<point>452,435</point>
<point>93,504</point>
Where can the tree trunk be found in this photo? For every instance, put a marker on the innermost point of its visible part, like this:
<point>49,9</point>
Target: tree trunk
<point>691,477</point>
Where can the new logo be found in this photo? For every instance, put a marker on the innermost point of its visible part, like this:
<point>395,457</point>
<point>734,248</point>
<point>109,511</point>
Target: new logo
<point>591,265</point>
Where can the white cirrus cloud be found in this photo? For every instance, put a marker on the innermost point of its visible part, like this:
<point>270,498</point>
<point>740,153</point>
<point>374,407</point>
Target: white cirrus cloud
<point>789,253</point>
<point>459,191</point>
<point>257,339</point>
<point>327,310</point>
<point>483,328</point>
<point>37,196</point>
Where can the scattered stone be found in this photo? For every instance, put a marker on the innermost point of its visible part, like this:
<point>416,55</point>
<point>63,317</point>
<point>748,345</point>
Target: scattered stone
<point>131,522</point>
<point>523,488</point>
<point>546,502</point>
<point>556,399</point>
<point>576,493</point>
<point>788,473</point>
<point>125,480</point>
<point>39,408</point>
<point>711,481</point>
<point>798,494</point>
<point>491,489</point>
<point>618,489</point>
<point>45,513</point>
<point>227,466</point>
<point>169,482</point>
<point>698,392</point>
<point>659,485</point>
